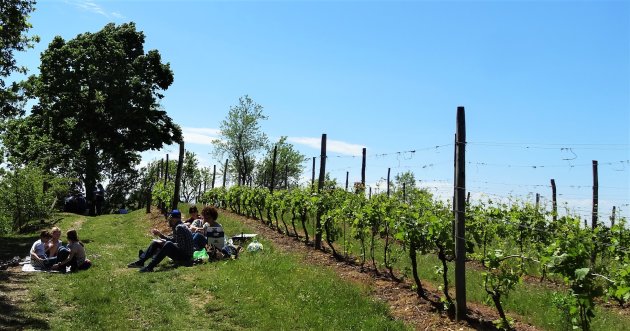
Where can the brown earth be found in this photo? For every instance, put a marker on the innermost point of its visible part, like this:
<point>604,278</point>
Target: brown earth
<point>403,301</point>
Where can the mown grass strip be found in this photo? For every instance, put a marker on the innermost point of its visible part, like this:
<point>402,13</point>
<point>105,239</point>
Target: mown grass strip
<point>264,291</point>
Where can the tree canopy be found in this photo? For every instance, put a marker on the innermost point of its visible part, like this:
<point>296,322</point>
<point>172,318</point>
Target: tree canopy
<point>98,105</point>
<point>241,138</point>
<point>289,166</point>
<point>13,29</point>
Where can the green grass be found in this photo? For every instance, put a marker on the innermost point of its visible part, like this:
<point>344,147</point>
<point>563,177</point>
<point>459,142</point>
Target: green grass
<point>268,290</point>
<point>533,302</point>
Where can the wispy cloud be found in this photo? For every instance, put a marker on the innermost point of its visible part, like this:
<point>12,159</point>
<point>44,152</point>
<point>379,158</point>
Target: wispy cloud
<point>93,7</point>
<point>336,146</point>
<point>201,136</point>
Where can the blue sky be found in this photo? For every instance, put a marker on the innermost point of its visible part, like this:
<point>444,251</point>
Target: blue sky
<point>546,84</point>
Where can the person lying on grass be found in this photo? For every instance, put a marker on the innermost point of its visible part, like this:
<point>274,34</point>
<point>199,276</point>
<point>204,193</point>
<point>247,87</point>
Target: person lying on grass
<point>76,258</point>
<point>178,247</point>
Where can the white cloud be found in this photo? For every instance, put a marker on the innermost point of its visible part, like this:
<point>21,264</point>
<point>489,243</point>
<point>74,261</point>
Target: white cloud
<point>118,15</point>
<point>336,146</point>
<point>201,136</point>
<point>93,7</point>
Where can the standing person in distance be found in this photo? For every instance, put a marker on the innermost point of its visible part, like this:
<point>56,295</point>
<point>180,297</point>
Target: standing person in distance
<point>99,194</point>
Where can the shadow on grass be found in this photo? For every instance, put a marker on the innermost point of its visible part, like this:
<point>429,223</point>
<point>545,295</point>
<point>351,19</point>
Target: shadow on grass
<point>16,246</point>
<point>12,292</point>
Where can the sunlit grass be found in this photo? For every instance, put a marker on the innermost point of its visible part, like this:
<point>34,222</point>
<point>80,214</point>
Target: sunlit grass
<point>268,290</point>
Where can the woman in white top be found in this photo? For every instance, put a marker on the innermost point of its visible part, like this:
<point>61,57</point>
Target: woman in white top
<point>38,250</point>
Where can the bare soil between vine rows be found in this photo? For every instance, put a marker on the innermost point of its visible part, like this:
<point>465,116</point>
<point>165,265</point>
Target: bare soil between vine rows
<point>404,303</point>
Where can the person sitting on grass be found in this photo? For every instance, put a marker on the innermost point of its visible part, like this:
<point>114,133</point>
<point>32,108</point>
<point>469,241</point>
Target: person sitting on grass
<point>39,259</point>
<point>199,234</point>
<point>76,258</point>
<point>193,212</point>
<point>54,244</point>
<point>178,247</point>
<point>213,230</point>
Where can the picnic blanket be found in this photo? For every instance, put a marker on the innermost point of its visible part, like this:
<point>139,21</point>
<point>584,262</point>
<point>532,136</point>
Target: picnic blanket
<point>28,267</point>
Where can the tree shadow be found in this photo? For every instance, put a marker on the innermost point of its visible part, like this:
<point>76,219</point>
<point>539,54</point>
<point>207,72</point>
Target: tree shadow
<point>12,317</point>
<point>16,246</point>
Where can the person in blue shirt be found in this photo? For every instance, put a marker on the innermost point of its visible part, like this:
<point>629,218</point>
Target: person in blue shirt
<point>178,247</point>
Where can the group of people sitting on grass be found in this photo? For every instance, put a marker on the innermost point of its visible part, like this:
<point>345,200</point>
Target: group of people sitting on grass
<point>49,253</point>
<point>197,233</point>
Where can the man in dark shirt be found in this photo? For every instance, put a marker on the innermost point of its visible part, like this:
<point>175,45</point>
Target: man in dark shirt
<point>178,247</point>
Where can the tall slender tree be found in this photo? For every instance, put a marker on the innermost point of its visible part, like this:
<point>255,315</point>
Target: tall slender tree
<point>241,138</point>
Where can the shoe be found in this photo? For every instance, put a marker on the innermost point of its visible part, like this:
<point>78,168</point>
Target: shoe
<point>145,269</point>
<point>136,264</point>
<point>140,252</point>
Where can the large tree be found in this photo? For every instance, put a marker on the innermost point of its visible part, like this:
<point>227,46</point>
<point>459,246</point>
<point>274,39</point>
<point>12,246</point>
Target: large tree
<point>98,101</point>
<point>13,28</point>
<point>289,166</point>
<point>241,138</point>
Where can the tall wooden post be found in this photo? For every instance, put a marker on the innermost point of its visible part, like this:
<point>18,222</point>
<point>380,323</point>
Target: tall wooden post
<point>225,172</point>
<point>537,201</point>
<point>166,170</point>
<point>214,174</point>
<point>313,176</point>
<point>347,175</point>
<point>322,177</point>
<point>273,169</point>
<point>612,217</point>
<point>554,202</point>
<point>363,168</point>
<point>460,217</point>
<point>388,173</point>
<point>178,175</point>
<point>370,194</point>
<point>595,209</point>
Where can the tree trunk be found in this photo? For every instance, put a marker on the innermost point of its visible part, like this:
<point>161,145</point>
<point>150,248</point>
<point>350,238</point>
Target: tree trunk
<point>91,174</point>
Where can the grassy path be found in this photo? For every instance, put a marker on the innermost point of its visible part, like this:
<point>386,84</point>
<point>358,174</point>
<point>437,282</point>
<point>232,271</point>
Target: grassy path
<point>270,290</point>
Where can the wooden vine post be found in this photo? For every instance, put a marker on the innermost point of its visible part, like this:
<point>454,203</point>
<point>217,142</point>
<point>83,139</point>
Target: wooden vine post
<point>214,175</point>
<point>389,170</point>
<point>460,216</point>
<point>595,210</point>
<point>166,170</point>
<point>554,202</point>
<point>363,169</point>
<point>313,176</point>
<point>273,168</point>
<point>225,172</point>
<point>178,175</point>
<point>322,177</point>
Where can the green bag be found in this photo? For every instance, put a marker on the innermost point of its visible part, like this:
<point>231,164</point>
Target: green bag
<point>200,255</point>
